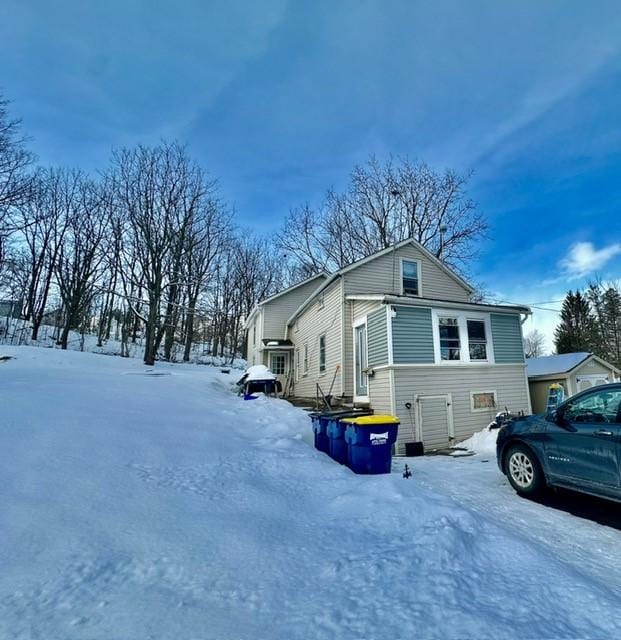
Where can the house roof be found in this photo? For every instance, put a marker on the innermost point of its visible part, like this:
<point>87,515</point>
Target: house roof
<point>556,364</point>
<point>562,363</point>
<point>378,254</point>
<point>270,342</point>
<point>321,274</point>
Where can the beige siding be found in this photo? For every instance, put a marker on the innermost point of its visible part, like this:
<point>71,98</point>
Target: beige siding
<point>380,392</point>
<point>254,353</point>
<point>508,381</point>
<point>539,393</point>
<point>539,388</point>
<point>383,275</point>
<point>278,311</point>
<point>590,368</point>
<point>315,321</point>
<point>362,308</point>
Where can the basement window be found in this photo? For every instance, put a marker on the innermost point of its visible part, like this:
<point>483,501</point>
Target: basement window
<point>482,401</point>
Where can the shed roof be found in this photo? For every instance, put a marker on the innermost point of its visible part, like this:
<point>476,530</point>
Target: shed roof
<point>552,365</point>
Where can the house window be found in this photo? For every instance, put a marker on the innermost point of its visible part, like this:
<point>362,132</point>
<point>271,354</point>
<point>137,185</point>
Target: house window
<point>483,400</point>
<point>477,340</point>
<point>305,358</point>
<point>409,281</point>
<point>297,364</point>
<point>322,353</point>
<point>277,362</point>
<point>449,339</point>
<point>254,334</point>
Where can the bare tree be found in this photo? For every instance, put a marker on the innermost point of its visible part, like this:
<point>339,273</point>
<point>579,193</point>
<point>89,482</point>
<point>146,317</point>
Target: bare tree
<point>384,204</point>
<point>80,254</point>
<point>43,219</point>
<point>158,190</point>
<point>209,237</point>
<point>534,344</point>
<point>15,160</point>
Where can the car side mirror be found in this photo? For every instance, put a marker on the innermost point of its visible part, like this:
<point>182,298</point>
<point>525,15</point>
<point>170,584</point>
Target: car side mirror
<point>558,417</point>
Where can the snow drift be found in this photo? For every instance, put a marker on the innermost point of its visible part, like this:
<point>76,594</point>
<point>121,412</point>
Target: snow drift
<point>137,506</point>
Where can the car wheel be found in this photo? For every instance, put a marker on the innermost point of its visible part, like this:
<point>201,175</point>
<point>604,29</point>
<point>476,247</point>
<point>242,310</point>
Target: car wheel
<point>523,470</point>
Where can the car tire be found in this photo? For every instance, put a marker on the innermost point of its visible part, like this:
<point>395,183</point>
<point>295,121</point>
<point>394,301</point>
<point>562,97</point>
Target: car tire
<point>524,471</point>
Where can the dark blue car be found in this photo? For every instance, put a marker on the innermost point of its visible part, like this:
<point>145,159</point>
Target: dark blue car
<point>577,446</point>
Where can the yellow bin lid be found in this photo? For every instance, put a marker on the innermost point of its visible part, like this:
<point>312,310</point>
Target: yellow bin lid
<point>371,420</point>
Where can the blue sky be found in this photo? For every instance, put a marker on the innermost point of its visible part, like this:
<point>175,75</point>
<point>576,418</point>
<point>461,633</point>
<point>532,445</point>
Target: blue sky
<point>280,99</point>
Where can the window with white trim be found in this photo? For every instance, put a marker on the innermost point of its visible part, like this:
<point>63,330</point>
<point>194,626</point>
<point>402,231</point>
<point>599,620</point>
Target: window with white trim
<point>322,353</point>
<point>305,358</point>
<point>254,334</point>
<point>483,400</point>
<point>450,346</point>
<point>477,340</point>
<point>277,363</point>
<point>297,365</point>
<point>409,278</point>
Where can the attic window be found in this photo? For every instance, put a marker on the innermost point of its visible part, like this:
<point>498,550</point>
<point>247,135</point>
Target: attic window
<point>409,278</point>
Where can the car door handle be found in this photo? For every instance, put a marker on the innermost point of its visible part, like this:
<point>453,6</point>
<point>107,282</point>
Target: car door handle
<point>603,432</point>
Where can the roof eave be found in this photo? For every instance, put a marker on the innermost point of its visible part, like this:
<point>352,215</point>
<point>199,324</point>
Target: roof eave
<point>426,302</point>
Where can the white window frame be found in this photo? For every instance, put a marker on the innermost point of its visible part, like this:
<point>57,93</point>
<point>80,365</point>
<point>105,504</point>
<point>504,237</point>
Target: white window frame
<point>278,354</point>
<point>297,364</point>
<point>460,337</point>
<point>464,347</point>
<point>483,409</point>
<point>305,367</point>
<point>355,325</point>
<point>419,272</point>
<point>254,334</point>
<point>487,336</point>
<point>325,355</point>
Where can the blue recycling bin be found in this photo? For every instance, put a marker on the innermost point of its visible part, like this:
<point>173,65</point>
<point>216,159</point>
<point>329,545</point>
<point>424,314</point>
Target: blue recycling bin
<point>320,425</point>
<point>369,441</point>
<point>337,447</point>
<point>321,420</point>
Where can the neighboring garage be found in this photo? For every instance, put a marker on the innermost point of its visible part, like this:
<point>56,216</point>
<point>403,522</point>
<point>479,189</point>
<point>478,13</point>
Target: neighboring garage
<point>574,371</point>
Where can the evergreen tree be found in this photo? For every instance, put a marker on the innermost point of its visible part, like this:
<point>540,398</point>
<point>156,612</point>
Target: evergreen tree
<point>576,332</point>
<point>606,304</point>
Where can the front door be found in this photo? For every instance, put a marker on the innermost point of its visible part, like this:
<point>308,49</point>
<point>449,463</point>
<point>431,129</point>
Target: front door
<point>360,358</point>
<point>279,364</point>
<point>585,449</point>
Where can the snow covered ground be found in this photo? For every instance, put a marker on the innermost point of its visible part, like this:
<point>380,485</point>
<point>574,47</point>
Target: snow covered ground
<point>144,506</point>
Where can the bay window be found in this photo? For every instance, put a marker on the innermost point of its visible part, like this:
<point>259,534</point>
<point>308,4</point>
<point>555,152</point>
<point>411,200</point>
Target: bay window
<point>462,337</point>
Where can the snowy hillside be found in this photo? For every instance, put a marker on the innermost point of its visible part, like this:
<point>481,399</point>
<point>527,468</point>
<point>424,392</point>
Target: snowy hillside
<point>14,332</point>
<point>144,506</point>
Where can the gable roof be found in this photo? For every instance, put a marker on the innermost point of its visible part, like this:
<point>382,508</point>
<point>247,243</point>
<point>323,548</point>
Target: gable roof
<point>398,245</point>
<point>561,363</point>
<point>551,365</point>
<point>321,274</point>
<point>374,256</point>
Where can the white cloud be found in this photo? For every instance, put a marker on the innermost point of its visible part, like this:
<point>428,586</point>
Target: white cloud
<point>584,258</point>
